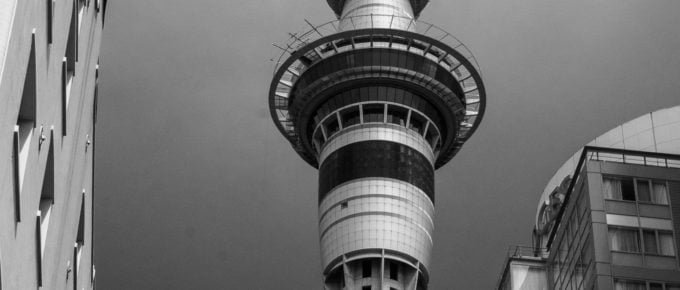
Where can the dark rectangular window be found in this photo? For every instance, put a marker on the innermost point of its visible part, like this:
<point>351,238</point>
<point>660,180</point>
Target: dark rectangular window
<point>417,123</point>
<point>350,116</point>
<point>655,286</point>
<point>397,115</point>
<point>344,205</point>
<point>331,125</point>
<point>366,269</point>
<point>394,271</point>
<point>65,87</point>
<point>373,113</point>
<point>366,288</point>
<point>38,246</point>
<point>50,19</point>
<point>627,190</point>
<point>432,136</point>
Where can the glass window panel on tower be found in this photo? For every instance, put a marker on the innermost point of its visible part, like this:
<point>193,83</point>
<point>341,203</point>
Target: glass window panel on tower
<point>397,115</point>
<point>373,113</point>
<point>350,116</point>
<point>417,123</point>
<point>331,125</point>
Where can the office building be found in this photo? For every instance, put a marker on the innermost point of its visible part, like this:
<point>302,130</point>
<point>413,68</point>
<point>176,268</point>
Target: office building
<point>376,100</point>
<point>49,51</point>
<point>610,217</point>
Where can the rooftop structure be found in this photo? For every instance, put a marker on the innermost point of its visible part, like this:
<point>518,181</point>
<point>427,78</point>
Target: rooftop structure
<point>376,100</point>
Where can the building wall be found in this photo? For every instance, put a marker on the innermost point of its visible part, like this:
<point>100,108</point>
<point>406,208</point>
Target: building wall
<point>571,261</point>
<point>607,214</point>
<point>55,166</point>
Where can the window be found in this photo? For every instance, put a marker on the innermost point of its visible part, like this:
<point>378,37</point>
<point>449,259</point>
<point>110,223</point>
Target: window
<point>624,240</point>
<point>80,242</point>
<point>643,190</point>
<point>666,246</point>
<point>46,198</point>
<point>649,239</point>
<point>654,242</point>
<point>350,116</point>
<point>397,115</point>
<point>366,269</point>
<point>373,113</point>
<point>72,40</point>
<point>366,287</point>
<point>672,286</point>
<point>629,285</point>
<point>50,19</point>
<point>628,188</point>
<point>432,136</point>
<point>417,123</point>
<point>344,205</point>
<point>318,139</point>
<point>655,286</point>
<point>23,130</point>
<point>659,194</point>
<point>394,271</point>
<point>38,247</point>
<point>331,124</point>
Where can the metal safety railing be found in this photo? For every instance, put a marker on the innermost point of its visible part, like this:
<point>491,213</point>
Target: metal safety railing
<point>315,32</point>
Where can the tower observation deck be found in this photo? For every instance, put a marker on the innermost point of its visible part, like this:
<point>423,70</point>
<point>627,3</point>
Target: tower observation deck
<point>376,101</point>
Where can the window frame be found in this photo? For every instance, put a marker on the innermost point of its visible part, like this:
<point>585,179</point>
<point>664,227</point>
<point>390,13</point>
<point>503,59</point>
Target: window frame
<point>635,180</point>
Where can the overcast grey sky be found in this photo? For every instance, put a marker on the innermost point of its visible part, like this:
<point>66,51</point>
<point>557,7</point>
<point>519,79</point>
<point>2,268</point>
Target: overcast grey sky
<point>196,189</point>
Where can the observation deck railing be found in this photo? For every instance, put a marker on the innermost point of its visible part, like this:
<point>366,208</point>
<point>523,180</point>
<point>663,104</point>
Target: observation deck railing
<point>315,32</point>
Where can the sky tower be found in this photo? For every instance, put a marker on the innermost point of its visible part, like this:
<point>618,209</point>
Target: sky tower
<point>376,101</point>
